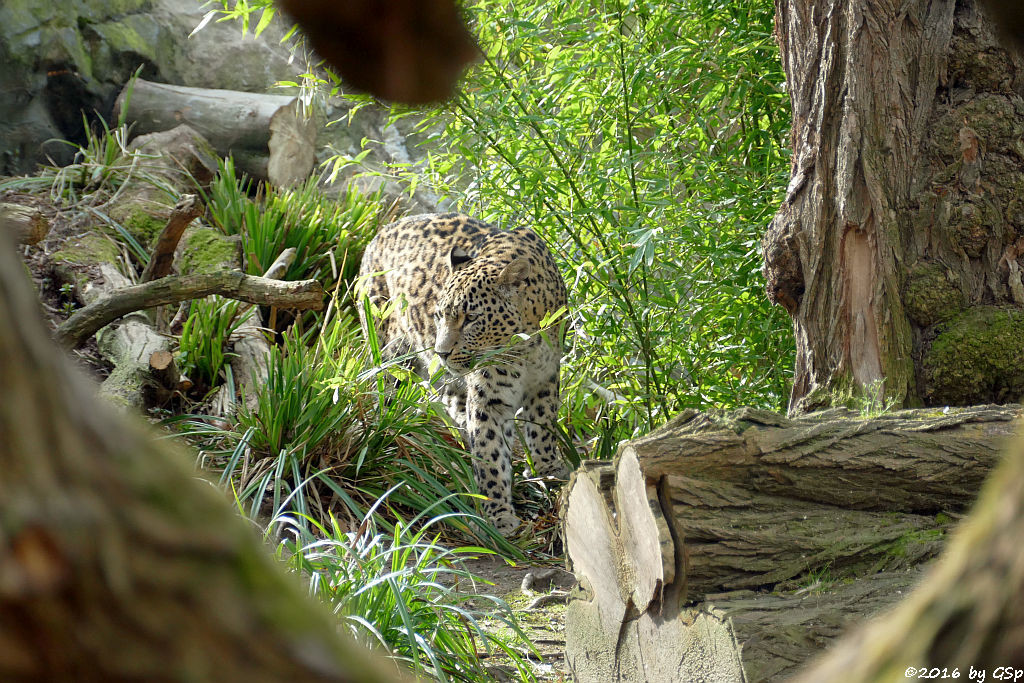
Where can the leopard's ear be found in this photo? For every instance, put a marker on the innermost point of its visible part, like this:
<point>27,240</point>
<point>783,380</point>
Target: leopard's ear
<point>514,273</point>
<point>457,258</point>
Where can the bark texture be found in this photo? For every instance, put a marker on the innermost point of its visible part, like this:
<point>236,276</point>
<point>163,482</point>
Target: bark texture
<point>968,612</point>
<point>753,500</point>
<point>897,249</point>
<point>116,562</point>
<point>161,261</point>
<point>779,630</point>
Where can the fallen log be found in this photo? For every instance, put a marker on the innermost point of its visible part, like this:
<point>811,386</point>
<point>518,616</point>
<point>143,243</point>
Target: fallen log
<point>127,345</point>
<point>28,225</point>
<point>275,131</point>
<point>166,374</point>
<point>966,618</point>
<point>300,294</point>
<point>904,460</point>
<point>713,503</point>
<point>777,630</point>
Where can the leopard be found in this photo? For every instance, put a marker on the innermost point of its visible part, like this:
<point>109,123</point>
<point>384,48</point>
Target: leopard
<point>475,301</point>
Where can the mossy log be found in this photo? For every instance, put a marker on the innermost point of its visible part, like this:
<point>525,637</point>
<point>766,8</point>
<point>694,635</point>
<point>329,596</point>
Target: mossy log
<point>778,629</point>
<point>128,345</point>
<point>116,561</point>
<point>713,503</point>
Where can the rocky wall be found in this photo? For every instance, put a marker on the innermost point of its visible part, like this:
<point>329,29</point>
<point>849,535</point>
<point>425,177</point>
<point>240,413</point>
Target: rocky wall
<point>59,60</point>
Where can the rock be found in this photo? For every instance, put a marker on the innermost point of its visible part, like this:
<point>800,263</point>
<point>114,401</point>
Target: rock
<point>60,60</point>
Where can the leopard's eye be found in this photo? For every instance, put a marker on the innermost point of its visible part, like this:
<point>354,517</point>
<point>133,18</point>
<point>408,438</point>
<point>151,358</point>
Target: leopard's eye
<point>470,317</point>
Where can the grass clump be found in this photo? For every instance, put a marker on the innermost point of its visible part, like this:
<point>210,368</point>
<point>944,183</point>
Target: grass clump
<point>330,438</point>
<point>328,233</point>
<point>204,341</point>
<point>403,594</point>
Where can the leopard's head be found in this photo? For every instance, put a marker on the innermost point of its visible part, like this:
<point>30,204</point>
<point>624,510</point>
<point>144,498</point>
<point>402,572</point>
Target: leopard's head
<point>479,312</point>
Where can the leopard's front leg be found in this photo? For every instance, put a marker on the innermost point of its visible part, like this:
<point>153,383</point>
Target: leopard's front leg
<point>490,407</point>
<point>536,424</point>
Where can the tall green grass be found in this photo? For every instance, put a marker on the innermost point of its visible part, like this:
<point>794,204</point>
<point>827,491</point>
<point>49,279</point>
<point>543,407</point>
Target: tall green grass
<point>330,437</point>
<point>327,232</point>
<point>403,594</point>
<point>205,338</point>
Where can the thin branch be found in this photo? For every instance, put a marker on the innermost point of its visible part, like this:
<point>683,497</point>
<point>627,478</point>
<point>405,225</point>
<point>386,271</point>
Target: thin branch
<point>187,208</point>
<point>301,294</point>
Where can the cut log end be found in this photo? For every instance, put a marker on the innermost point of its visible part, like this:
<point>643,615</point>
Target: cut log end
<point>763,502</point>
<point>28,225</point>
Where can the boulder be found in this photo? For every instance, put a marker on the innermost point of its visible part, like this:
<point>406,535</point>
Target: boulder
<point>59,61</point>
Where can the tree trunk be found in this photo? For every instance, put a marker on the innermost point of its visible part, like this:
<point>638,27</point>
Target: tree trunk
<point>898,247</point>
<point>116,562</point>
<point>753,500</point>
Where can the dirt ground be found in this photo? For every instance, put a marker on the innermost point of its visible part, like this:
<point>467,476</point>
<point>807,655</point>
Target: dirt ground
<point>539,605</point>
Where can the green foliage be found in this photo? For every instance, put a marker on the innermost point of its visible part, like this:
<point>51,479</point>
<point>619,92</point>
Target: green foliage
<point>327,437</point>
<point>327,232</point>
<point>328,235</point>
<point>204,339</point>
<point>646,142</point>
<point>403,594</point>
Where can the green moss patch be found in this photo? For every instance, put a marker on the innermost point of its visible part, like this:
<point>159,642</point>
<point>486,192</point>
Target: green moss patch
<point>932,295</point>
<point>141,224</point>
<point>978,357</point>
<point>87,250</point>
<point>207,250</point>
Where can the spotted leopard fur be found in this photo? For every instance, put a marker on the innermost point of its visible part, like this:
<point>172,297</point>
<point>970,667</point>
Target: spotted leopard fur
<point>474,296</point>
